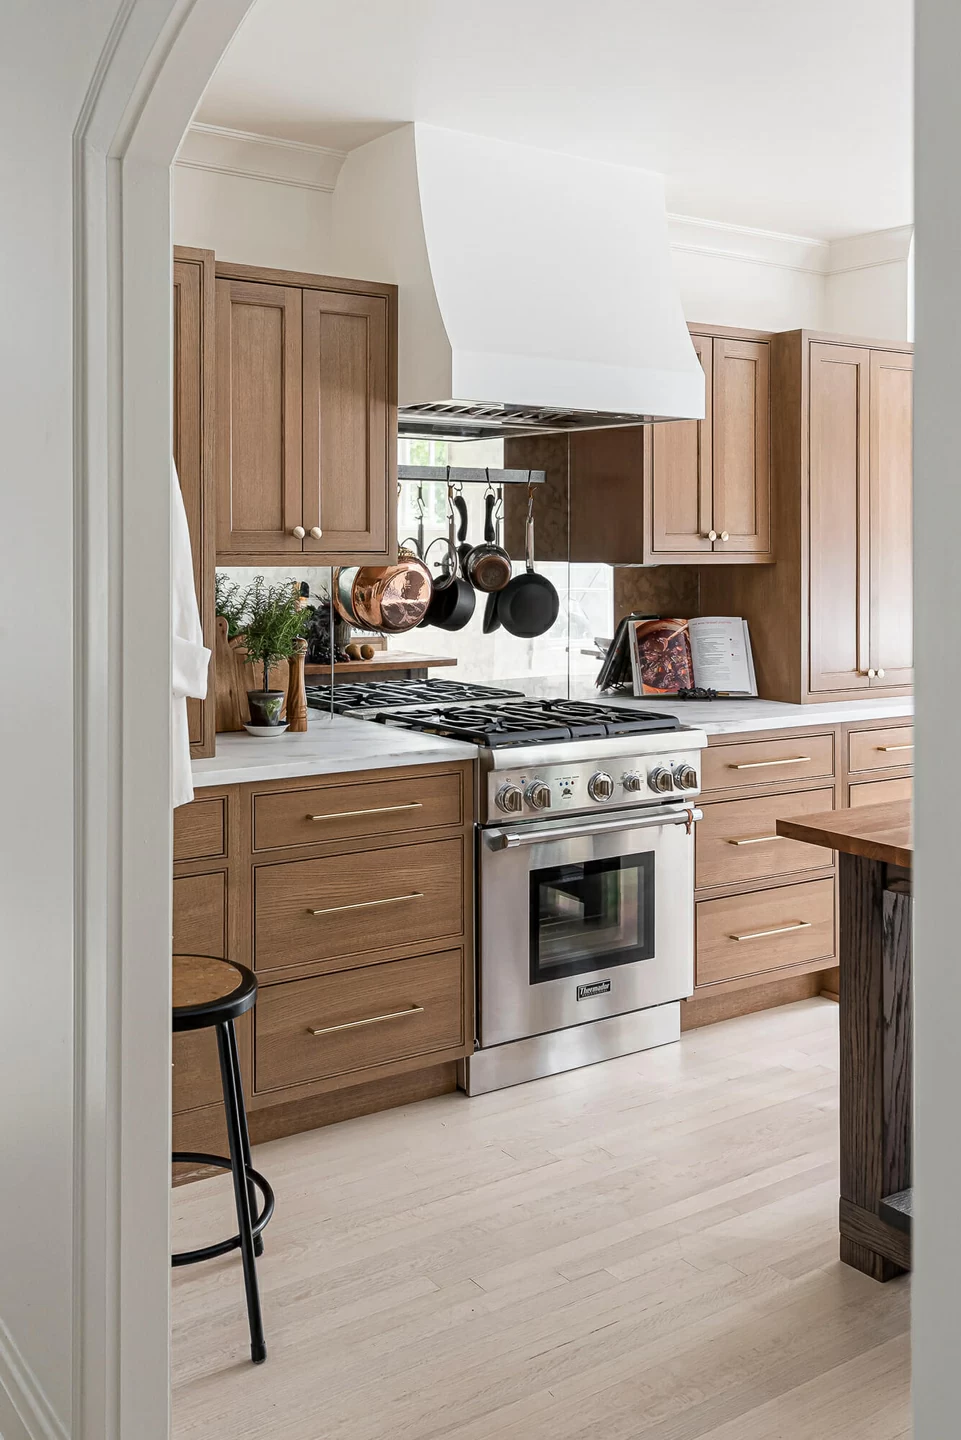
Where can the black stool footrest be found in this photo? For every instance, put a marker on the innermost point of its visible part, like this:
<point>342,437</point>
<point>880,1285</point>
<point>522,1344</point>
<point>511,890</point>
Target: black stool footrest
<point>223,1247</point>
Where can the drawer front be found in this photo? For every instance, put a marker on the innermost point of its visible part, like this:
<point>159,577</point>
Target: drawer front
<point>737,839</point>
<point>879,792</point>
<point>347,812</point>
<point>200,829</point>
<point>374,900</point>
<point>747,935</point>
<point>200,915</point>
<point>767,762</point>
<point>366,1017</point>
<point>880,749</point>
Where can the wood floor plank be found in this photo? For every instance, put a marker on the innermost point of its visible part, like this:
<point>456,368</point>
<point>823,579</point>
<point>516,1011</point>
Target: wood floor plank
<point>642,1250</point>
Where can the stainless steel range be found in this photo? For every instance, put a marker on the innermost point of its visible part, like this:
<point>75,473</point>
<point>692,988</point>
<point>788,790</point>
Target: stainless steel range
<point>585,869</point>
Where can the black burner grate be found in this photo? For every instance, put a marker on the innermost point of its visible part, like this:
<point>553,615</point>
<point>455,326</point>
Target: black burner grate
<point>531,722</point>
<point>388,694</point>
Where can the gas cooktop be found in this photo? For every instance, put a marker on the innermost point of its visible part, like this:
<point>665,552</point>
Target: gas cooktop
<point>529,722</point>
<point>354,696</point>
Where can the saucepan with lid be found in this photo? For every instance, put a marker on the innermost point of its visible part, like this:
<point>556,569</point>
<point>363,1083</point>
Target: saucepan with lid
<point>389,598</point>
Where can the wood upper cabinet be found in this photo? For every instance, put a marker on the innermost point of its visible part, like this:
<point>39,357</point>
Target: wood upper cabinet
<point>860,508</point>
<point>349,440</point>
<point>307,419</point>
<point>260,504</point>
<point>839,576</point>
<point>193,438</point>
<point>679,458</point>
<point>890,467</point>
<point>833,616</point>
<point>742,448</point>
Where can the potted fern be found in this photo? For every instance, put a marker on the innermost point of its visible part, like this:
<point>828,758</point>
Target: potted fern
<point>274,626</point>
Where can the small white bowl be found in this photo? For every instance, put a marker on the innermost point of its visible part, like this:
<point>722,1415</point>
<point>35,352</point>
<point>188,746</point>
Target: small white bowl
<point>265,732</point>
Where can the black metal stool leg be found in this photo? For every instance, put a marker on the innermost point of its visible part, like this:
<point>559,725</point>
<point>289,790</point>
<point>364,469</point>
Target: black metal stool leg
<point>233,1109</point>
<point>244,1132</point>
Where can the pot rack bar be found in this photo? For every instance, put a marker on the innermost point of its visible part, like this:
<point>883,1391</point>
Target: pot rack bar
<point>465,475</point>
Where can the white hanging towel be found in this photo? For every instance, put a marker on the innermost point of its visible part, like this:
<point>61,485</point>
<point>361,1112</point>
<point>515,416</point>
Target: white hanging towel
<point>190,656</point>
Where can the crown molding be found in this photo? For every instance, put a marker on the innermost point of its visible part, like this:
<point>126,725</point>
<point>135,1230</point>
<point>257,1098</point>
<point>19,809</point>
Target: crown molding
<point>804,254</point>
<point>874,248</point>
<point>223,151</point>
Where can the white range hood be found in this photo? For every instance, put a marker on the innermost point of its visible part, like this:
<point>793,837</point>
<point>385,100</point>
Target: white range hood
<point>535,289</point>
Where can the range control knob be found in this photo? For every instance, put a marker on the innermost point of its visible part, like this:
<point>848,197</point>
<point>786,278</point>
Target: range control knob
<point>661,779</point>
<point>634,782</point>
<point>509,799</point>
<point>685,777</point>
<point>539,795</point>
<point>600,786</point>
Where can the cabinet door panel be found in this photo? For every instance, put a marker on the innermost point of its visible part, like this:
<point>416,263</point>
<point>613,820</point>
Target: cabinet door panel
<point>259,450</point>
<point>681,473</point>
<point>349,489</point>
<point>742,464</point>
<point>891,471</point>
<point>839,518</point>
<point>193,350</point>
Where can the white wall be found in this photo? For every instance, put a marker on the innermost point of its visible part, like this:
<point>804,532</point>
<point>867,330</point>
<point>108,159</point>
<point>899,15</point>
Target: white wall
<point>726,274</point>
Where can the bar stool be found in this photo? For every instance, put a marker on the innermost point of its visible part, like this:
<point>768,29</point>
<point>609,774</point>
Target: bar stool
<point>212,992</point>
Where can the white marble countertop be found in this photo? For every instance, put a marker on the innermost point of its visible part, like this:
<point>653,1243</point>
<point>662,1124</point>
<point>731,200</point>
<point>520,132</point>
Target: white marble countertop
<point>332,745</point>
<point>731,717</point>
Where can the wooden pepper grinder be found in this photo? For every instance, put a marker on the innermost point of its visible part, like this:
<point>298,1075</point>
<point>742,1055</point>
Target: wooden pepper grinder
<point>296,690</point>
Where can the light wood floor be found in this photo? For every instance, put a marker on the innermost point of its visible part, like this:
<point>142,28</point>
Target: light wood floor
<point>645,1248</point>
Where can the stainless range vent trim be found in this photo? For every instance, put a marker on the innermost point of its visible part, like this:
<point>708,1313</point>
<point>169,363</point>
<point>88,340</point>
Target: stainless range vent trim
<point>475,420</point>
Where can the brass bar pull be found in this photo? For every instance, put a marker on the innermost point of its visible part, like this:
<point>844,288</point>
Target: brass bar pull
<point>763,764</point>
<point>378,810</point>
<point>367,904</point>
<point>373,1020</point>
<point>781,930</point>
<point>886,749</point>
<point>757,840</point>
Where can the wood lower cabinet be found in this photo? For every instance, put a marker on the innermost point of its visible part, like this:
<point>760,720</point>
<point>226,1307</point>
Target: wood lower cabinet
<point>193,450</point>
<point>832,618</point>
<point>384,973</point>
<point>767,931</point>
<point>307,418</point>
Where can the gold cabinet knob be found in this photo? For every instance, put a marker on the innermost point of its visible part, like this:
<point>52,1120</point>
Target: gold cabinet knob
<point>298,532</point>
<point>315,532</point>
<point>712,535</point>
<point>725,535</point>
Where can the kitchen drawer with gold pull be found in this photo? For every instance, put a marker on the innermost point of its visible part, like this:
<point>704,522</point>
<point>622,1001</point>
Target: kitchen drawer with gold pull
<point>880,749</point>
<point>200,829</point>
<point>317,912</point>
<point>737,839</point>
<point>880,792</point>
<point>355,1019</point>
<point>743,935</point>
<point>360,808</point>
<point>767,762</point>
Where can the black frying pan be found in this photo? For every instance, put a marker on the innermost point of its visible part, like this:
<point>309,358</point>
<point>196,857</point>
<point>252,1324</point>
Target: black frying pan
<point>453,601</point>
<point>528,605</point>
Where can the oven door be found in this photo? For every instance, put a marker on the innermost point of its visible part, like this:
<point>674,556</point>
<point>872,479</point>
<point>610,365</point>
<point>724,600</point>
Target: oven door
<point>581,919</point>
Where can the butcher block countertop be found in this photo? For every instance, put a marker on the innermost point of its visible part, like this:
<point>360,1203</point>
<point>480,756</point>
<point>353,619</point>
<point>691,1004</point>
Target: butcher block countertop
<point>875,832</point>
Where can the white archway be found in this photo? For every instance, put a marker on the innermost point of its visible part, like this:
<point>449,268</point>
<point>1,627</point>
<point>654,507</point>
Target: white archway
<point>158,59</point>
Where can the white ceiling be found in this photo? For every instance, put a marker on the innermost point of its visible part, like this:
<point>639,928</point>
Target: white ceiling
<point>787,115</point>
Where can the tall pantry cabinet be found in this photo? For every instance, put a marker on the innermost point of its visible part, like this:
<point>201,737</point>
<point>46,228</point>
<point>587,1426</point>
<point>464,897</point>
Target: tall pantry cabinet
<point>832,618</point>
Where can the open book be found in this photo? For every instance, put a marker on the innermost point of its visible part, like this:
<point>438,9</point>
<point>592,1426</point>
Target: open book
<point>712,652</point>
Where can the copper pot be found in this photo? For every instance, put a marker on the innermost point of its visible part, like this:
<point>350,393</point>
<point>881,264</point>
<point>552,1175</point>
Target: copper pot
<point>388,598</point>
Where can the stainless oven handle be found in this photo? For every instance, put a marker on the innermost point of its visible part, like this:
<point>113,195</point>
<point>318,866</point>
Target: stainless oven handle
<point>509,839</point>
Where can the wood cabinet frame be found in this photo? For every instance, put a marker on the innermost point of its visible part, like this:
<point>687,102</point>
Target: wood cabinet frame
<point>376,543</point>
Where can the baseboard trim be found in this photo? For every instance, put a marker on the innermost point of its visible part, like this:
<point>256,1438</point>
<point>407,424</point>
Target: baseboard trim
<point>25,1411</point>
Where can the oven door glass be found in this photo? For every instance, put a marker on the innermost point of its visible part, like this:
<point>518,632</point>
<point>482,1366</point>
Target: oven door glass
<point>591,915</point>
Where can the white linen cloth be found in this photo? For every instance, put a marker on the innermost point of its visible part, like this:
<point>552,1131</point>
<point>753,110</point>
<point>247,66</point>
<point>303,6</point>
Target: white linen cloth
<point>190,656</point>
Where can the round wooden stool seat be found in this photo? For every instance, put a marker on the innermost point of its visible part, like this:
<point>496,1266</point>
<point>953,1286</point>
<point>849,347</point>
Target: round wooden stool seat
<point>208,991</point>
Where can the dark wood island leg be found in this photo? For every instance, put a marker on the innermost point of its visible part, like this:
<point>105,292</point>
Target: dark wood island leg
<point>875,1038</point>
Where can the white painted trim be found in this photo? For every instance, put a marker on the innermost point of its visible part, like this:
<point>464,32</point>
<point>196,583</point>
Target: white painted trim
<point>802,254</point>
<point>222,151</point>
<point>26,1406</point>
